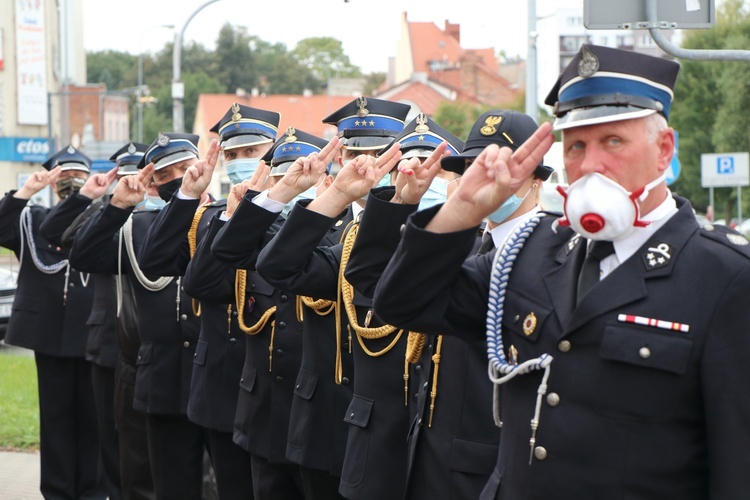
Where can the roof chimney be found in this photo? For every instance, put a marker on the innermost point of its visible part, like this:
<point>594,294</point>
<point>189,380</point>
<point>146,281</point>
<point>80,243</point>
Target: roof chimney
<point>453,30</point>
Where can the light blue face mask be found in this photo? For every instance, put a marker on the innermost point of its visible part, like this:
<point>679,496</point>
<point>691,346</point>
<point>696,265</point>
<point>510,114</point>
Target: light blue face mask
<point>385,181</point>
<point>151,203</point>
<point>241,169</point>
<point>507,208</point>
<point>307,195</point>
<point>437,193</point>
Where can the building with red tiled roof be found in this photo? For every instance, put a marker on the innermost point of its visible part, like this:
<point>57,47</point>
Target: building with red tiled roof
<point>430,57</point>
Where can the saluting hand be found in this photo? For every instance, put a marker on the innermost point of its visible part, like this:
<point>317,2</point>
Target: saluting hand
<point>98,184</point>
<point>490,180</point>
<point>198,176</point>
<point>415,178</point>
<point>36,182</point>
<point>132,188</point>
<point>304,173</point>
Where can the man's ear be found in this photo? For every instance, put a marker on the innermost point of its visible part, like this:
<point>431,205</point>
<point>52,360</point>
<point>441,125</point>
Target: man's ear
<point>665,142</point>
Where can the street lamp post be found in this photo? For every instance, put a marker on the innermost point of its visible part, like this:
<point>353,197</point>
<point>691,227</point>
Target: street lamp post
<point>178,87</point>
<point>531,102</point>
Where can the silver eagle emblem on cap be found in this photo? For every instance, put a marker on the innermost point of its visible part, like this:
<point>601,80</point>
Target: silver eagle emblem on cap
<point>290,137</point>
<point>162,140</point>
<point>589,63</point>
<point>131,148</point>
<point>236,116</point>
<point>71,150</point>
<point>421,124</point>
<point>361,103</point>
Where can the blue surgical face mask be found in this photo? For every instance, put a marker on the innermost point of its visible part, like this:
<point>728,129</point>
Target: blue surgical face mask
<point>508,208</point>
<point>385,181</point>
<point>307,195</point>
<point>151,203</point>
<point>437,193</point>
<point>241,169</point>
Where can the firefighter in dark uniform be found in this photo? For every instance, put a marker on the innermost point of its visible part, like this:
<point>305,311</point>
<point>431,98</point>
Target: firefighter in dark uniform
<point>620,373</point>
<point>50,309</point>
<point>183,231</point>
<point>269,316</point>
<point>453,439</point>
<point>108,243</point>
<point>101,348</point>
<point>378,419</point>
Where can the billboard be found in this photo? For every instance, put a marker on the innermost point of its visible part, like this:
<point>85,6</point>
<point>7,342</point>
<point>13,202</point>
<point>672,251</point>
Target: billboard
<point>31,70</point>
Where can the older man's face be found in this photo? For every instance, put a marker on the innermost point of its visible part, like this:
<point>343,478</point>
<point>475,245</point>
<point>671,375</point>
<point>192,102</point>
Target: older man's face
<point>621,151</point>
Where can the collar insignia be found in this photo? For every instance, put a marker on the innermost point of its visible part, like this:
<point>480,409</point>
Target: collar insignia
<point>572,243</point>
<point>656,257</point>
<point>589,63</point>
<point>490,125</point>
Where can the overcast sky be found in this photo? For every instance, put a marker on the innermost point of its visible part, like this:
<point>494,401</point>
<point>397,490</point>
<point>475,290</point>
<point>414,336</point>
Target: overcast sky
<point>368,29</point>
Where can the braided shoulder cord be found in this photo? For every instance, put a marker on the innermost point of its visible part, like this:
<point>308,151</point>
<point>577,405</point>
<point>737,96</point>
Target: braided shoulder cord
<point>192,238</point>
<point>240,284</point>
<point>321,307</point>
<point>346,295</point>
<point>27,233</point>
<point>499,369</point>
<point>126,237</point>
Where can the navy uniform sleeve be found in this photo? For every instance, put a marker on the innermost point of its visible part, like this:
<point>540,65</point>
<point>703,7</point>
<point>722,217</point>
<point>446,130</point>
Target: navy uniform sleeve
<point>165,251</point>
<point>70,233</point>
<point>430,285</point>
<point>206,278</point>
<point>377,239</point>
<point>95,247</point>
<point>241,239</point>
<point>293,261</point>
<point>61,216</point>
<point>10,216</point>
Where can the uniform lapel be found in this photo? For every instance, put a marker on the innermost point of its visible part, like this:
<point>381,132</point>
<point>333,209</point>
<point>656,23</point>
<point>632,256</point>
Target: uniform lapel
<point>629,282</point>
<point>564,272</point>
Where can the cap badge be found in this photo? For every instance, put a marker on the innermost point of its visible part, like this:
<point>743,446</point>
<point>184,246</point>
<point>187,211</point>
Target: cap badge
<point>589,63</point>
<point>290,137</point>
<point>421,124</point>
<point>529,324</point>
<point>162,140</point>
<point>361,103</point>
<point>236,116</point>
<point>513,355</point>
<point>656,257</point>
<point>490,125</point>
<point>131,148</point>
<point>737,239</point>
<point>71,150</point>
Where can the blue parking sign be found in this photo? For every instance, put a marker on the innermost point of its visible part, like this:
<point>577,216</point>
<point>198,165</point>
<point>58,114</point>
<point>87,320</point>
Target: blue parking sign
<point>725,165</point>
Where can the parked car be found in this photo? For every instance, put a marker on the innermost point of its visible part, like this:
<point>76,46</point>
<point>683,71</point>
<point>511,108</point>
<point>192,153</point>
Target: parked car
<point>7,294</point>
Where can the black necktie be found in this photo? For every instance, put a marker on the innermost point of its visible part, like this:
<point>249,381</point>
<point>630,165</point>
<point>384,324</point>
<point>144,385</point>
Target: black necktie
<point>590,271</point>
<point>487,243</point>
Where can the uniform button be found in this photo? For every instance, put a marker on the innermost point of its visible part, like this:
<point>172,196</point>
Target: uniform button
<point>242,380</point>
<point>140,358</point>
<point>417,368</point>
<point>425,385</point>
<point>516,318</point>
<point>186,344</point>
<point>401,229</point>
<point>232,340</point>
<point>183,317</point>
<point>416,397</point>
<point>540,453</point>
<point>419,422</point>
<point>234,313</point>
<point>644,352</point>
<point>279,379</point>
<point>195,355</point>
<point>252,285</point>
<point>553,399</point>
<point>564,345</point>
<point>351,415</point>
<point>279,352</point>
<point>297,387</point>
<point>284,297</point>
<point>282,324</point>
<point>72,285</point>
<point>345,381</point>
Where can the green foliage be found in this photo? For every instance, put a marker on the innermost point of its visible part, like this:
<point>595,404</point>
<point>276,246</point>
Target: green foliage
<point>117,69</point>
<point>458,117</point>
<point>19,403</point>
<point>325,58</point>
<point>709,107</point>
<point>372,82</point>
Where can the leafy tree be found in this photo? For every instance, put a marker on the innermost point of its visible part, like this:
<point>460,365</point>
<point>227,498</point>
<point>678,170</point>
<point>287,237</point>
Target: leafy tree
<point>710,100</point>
<point>235,68</point>
<point>114,68</point>
<point>325,58</point>
<point>278,72</point>
<point>372,82</point>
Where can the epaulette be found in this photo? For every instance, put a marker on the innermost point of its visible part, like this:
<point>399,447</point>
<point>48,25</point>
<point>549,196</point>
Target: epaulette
<point>728,237</point>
